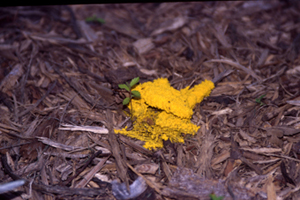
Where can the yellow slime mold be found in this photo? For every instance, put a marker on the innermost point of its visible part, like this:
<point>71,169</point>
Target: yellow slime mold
<point>163,112</point>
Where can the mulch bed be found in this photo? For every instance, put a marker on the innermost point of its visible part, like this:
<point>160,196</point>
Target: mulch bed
<point>60,101</point>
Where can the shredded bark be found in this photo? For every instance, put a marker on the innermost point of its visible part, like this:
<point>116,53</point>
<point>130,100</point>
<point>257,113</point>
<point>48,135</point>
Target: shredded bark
<point>60,67</point>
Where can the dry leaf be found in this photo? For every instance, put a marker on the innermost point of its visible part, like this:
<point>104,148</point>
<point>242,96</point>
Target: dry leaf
<point>170,25</point>
<point>11,79</point>
<point>143,45</point>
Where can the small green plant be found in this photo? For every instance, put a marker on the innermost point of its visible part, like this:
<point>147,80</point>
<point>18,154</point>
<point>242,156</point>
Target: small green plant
<point>95,19</point>
<point>258,100</point>
<point>215,197</point>
<point>128,88</point>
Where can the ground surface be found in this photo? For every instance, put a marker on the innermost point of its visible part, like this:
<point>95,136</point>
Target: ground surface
<point>60,102</point>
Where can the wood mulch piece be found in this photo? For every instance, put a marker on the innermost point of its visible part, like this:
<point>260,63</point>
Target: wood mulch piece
<point>60,67</point>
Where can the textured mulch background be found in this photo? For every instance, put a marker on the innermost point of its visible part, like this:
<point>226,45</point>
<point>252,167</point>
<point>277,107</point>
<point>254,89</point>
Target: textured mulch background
<point>60,67</point>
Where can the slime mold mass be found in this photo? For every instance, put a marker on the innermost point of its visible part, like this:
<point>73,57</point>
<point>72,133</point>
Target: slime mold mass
<point>169,111</point>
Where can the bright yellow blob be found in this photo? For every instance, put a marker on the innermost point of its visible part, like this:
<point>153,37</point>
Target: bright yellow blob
<point>164,113</point>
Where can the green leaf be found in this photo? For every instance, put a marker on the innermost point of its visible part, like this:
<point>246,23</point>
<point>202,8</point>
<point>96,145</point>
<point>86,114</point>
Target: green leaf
<point>258,100</point>
<point>134,81</point>
<point>136,94</point>
<point>95,19</point>
<point>124,86</point>
<point>215,197</point>
<point>126,101</point>
<point>100,20</point>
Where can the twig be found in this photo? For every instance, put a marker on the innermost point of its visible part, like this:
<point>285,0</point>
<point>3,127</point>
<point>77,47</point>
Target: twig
<point>39,101</point>
<point>56,189</point>
<point>115,149</point>
<point>69,180</point>
<point>16,145</point>
<point>221,76</point>
<point>74,24</point>
<point>146,180</point>
<point>11,186</point>
<point>91,174</point>
<point>237,65</point>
